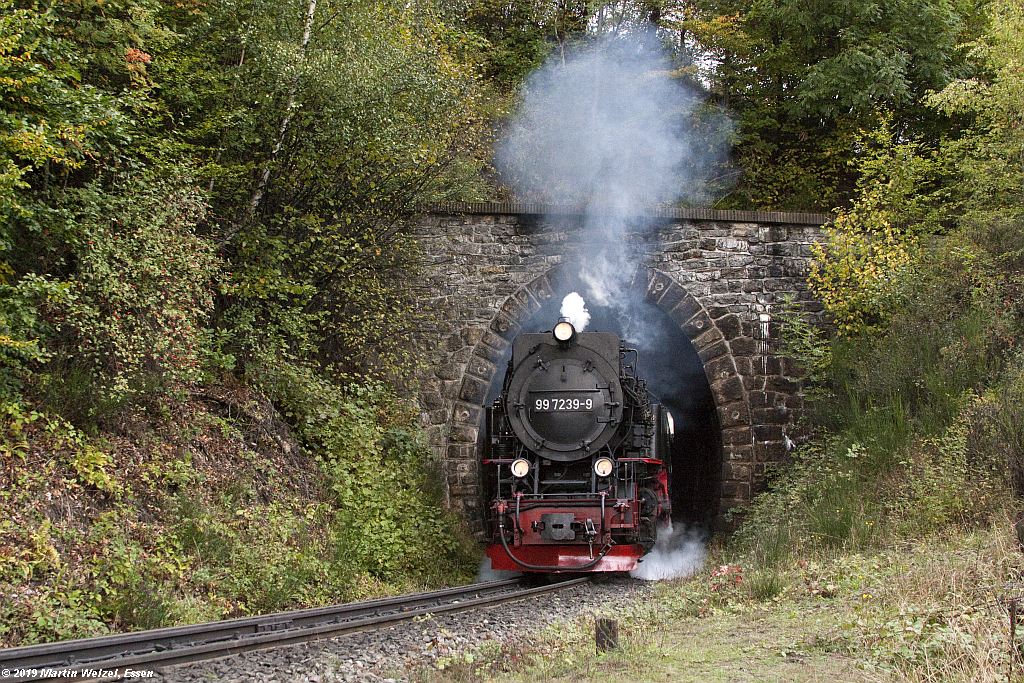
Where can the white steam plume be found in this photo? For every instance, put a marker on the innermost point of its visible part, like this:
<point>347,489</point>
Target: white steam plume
<point>613,129</point>
<point>575,309</point>
<point>676,554</point>
<point>487,573</point>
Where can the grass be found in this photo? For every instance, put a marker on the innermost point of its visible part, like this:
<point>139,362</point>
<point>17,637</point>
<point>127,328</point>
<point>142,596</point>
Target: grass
<point>925,612</point>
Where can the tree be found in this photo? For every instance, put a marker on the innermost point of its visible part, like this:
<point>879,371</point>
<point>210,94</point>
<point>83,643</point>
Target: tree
<point>343,118</point>
<point>805,77</point>
<point>990,154</point>
<point>314,128</point>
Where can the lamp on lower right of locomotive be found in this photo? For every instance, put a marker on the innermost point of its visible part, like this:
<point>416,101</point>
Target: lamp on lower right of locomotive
<point>603,467</point>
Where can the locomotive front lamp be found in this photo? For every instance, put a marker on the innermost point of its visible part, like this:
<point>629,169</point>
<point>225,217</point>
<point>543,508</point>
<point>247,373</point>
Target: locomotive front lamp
<point>520,467</point>
<point>564,331</point>
<point>603,467</point>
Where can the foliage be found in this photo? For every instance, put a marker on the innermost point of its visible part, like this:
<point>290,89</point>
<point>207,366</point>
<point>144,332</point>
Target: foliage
<point>512,39</point>
<point>997,425</point>
<point>192,193</point>
<point>312,152</point>
<point>988,156</point>
<point>48,122</point>
<point>386,490</point>
<point>854,272</point>
<point>914,397</point>
<point>330,145</point>
<point>156,532</point>
<point>23,324</point>
<point>893,406</point>
<point>804,78</point>
<point>138,305</point>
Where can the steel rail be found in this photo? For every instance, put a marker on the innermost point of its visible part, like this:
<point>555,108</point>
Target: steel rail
<point>184,644</point>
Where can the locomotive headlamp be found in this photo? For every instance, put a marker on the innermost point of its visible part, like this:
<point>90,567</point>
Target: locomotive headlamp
<point>564,331</point>
<point>520,467</point>
<point>603,467</point>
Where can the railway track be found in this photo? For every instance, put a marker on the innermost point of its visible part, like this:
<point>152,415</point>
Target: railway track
<point>110,657</point>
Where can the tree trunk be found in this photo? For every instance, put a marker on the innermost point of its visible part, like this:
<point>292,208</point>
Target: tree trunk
<point>289,114</point>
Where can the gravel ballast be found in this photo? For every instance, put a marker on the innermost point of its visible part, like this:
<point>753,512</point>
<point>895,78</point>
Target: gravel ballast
<point>387,654</point>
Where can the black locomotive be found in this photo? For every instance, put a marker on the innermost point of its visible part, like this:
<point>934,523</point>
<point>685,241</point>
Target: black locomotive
<point>575,457</point>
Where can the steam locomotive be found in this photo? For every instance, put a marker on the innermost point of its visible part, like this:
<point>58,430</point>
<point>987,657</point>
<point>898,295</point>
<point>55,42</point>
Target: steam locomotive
<point>575,457</point>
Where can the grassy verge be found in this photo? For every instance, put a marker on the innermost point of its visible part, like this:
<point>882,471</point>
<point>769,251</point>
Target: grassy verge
<point>929,611</point>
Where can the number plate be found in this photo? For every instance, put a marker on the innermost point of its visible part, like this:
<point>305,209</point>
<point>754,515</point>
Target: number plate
<point>562,403</point>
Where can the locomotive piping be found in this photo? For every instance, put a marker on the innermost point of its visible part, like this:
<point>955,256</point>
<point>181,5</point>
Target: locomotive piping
<point>541,567</point>
<point>519,527</point>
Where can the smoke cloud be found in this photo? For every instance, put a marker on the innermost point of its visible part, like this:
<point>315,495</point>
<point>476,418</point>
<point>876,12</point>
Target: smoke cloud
<point>575,309</point>
<point>613,130</point>
<point>676,554</point>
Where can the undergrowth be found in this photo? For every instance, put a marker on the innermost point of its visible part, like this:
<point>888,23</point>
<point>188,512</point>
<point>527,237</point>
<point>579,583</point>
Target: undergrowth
<point>207,515</point>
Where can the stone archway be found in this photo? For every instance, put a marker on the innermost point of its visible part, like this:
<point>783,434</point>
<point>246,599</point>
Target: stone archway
<point>714,336</point>
<point>716,333</point>
<point>718,276</point>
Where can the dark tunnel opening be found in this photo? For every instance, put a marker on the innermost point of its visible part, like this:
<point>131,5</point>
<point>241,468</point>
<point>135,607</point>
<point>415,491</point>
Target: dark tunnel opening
<point>675,376</point>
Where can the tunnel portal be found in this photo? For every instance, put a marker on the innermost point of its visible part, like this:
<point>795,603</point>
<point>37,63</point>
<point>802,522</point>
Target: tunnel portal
<point>711,282</point>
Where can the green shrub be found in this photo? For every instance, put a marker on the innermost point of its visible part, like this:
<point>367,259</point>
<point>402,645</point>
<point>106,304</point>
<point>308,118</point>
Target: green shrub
<point>391,520</point>
<point>23,330</point>
<point>143,290</point>
<point>996,437</point>
<point>263,557</point>
<point>916,422</point>
<point>765,584</point>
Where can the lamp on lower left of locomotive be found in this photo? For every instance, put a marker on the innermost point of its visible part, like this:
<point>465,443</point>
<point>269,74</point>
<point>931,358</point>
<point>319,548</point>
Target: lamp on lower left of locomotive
<point>520,467</point>
<point>603,467</point>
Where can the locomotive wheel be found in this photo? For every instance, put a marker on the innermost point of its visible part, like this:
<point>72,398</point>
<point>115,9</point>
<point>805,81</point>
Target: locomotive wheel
<point>647,533</point>
<point>648,502</point>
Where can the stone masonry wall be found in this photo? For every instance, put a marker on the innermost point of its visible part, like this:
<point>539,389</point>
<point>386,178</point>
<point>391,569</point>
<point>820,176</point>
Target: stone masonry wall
<point>719,275</point>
